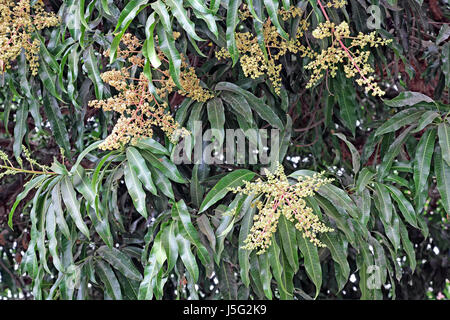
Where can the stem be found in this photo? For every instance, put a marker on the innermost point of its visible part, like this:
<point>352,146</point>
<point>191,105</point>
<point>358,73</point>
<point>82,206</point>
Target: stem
<point>27,171</point>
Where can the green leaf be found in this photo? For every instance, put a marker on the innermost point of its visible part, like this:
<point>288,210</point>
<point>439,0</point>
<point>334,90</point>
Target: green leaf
<point>91,64</point>
<point>50,221</point>
<point>148,48</point>
<point>289,241</point>
<point>383,202</point>
<point>444,141</point>
<point>163,184</point>
<point>216,117</point>
<point>407,98</point>
<point>154,264</point>
<point>179,210</point>
<point>164,165</point>
<point>257,104</point>
<point>120,261</point>
<point>422,161</point>
<point>138,165</point>
<point>231,22</point>
<point>196,190</point>
<point>442,170</point>
<point>365,176</point>
<point>265,274</point>
<point>57,207</point>
<point>20,129</point>
<point>72,204</point>
<point>135,190</point>
<point>277,270</point>
<point>347,107</point>
<point>57,123</point>
<point>311,261</point>
<point>169,242</point>
<point>408,246</point>
<point>339,254</point>
<point>238,104</point>
<point>127,15</point>
<point>188,258</point>
<point>167,45</point>
<point>151,145</point>
<point>339,198</point>
<point>181,15</point>
<point>227,282</point>
<point>404,205</point>
<point>400,119</point>
<point>244,254</point>
<point>427,118</point>
<point>112,285</point>
<point>392,153</point>
<point>231,180</point>
<point>356,158</point>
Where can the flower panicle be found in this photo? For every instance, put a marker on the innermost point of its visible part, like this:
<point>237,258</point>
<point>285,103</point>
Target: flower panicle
<point>18,22</point>
<point>275,196</point>
<point>138,100</point>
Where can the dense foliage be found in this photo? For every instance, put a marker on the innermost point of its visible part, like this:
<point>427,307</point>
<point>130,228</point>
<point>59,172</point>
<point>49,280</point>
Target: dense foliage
<point>113,187</point>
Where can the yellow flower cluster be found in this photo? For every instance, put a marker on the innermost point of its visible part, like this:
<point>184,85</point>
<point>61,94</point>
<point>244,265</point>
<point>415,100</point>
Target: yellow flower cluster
<point>355,63</point>
<point>18,20</point>
<point>253,61</point>
<point>138,107</point>
<point>279,197</point>
<point>336,4</point>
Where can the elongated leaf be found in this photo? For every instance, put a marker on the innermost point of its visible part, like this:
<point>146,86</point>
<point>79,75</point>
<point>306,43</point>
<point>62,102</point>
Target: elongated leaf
<point>180,211</point>
<point>169,242</point>
<point>112,285</point>
<point>356,158</point>
<point>138,165</point>
<point>34,183</point>
<point>135,190</point>
<point>442,170</point>
<point>422,162</point>
<point>444,141</point>
<point>188,258</point>
<point>227,281</point>
<point>399,120</point>
<point>311,261</point>
<point>408,246</point>
<point>216,117</point>
<point>277,270</point>
<point>392,153</point>
<point>404,205</point>
<point>407,98</point>
<point>120,261</point>
<point>180,14</point>
<point>59,130</point>
<point>164,165</point>
<point>152,146</point>
<point>73,205</point>
<point>231,180</point>
<point>339,254</point>
<point>232,21</point>
<point>383,202</point>
<point>263,110</point>
<point>289,242</point>
<point>365,176</point>
<point>20,129</point>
